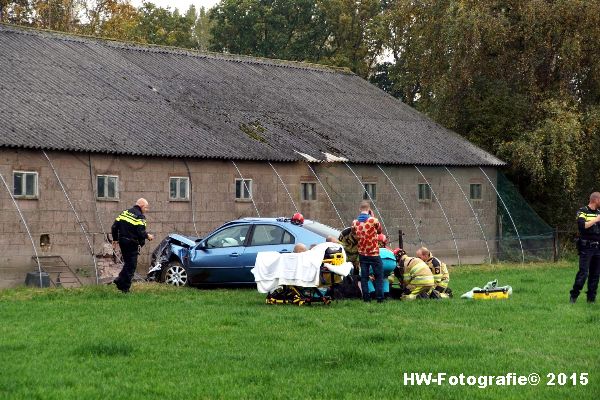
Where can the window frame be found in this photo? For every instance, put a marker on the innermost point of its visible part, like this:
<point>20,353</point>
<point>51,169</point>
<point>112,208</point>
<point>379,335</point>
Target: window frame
<point>248,228</point>
<point>106,198</point>
<point>178,189</point>
<point>428,190</point>
<point>303,192</point>
<point>372,195</point>
<point>281,240</point>
<point>24,194</point>
<point>249,184</point>
<point>471,185</point>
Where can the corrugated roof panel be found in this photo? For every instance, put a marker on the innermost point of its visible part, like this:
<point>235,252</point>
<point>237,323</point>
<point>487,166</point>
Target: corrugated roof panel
<point>74,93</point>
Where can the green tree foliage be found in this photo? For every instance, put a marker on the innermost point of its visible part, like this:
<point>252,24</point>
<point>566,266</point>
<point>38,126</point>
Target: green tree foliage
<point>344,33</point>
<point>162,26</point>
<point>268,28</point>
<point>519,78</point>
<point>202,29</point>
<point>110,18</point>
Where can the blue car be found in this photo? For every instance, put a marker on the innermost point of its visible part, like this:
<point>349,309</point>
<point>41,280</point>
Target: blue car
<point>226,256</point>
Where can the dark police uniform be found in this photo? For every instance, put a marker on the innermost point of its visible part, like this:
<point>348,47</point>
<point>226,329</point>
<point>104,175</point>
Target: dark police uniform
<point>129,229</point>
<point>589,254</point>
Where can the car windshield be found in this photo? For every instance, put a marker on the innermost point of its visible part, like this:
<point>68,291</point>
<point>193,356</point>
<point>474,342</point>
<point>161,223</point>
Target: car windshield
<point>320,229</point>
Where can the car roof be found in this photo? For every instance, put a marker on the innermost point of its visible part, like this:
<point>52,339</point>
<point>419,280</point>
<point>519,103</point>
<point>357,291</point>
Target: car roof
<point>301,232</point>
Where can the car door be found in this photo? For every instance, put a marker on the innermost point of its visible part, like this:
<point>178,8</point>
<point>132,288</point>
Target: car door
<point>268,237</point>
<point>220,257</point>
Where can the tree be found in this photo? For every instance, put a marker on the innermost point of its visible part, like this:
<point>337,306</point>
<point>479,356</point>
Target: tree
<point>202,30</point>
<point>344,33</point>
<point>519,78</point>
<point>111,18</point>
<point>16,12</point>
<point>162,26</point>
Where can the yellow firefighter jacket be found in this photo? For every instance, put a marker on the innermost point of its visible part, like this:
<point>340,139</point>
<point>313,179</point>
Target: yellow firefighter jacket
<point>416,273</point>
<point>439,271</point>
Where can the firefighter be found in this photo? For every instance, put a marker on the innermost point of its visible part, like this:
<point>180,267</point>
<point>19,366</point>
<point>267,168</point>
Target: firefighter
<point>588,246</point>
<point>439,271</point>
<point>350,243</point>
<point>129,232</point>
<point>414,275</point>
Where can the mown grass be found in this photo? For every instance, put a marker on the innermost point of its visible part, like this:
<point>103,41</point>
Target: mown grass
<point>160,342</point>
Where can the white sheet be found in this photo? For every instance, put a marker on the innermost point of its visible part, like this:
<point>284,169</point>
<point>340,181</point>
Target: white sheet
<point>273,269</point>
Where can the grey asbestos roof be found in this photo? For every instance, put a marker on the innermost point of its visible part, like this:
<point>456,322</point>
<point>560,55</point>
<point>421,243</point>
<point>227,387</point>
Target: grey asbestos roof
<point>71,93</point>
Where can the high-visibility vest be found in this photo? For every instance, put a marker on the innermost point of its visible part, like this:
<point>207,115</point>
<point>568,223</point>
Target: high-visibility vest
<point>439,270</point>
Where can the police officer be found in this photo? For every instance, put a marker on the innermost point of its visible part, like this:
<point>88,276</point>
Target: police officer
<point>129,231</point>
<point>588,245</point>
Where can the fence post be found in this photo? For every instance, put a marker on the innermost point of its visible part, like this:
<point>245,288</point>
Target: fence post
<point>400,239</point>
<point>555,244</point>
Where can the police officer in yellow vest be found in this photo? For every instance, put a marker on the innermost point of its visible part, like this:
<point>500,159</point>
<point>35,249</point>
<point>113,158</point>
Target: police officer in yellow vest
<point>129,231</point>
<point>438,269</point>
<point>415,276</point>
<point>588,246</point>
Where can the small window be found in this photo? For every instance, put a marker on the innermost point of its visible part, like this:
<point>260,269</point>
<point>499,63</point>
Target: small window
<point>179,188</point>
<point>25,184</point>
<point>370,190</point>
<point>309,191</point>
<point>108,187</point>
<point>475,191</point>
<point>424,192</point>
<point>243,189</point>
<point>265,235</point>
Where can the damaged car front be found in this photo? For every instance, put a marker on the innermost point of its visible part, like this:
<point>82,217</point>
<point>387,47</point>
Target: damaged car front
<point>165,261</point>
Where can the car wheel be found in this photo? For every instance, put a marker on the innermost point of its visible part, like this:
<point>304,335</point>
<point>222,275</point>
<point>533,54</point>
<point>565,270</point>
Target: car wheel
<point>174,274</point>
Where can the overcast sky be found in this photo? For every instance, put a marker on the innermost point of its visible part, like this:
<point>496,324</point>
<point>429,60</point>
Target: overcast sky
<point>182,5</point>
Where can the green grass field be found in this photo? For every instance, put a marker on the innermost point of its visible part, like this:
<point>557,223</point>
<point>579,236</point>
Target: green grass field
<point>160,342</point>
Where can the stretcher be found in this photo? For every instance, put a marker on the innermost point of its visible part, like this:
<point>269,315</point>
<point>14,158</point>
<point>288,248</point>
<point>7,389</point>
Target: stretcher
<point>301,278</point>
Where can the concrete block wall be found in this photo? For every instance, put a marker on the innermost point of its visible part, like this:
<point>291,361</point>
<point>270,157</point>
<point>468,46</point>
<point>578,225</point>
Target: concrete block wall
<point>213,202</point>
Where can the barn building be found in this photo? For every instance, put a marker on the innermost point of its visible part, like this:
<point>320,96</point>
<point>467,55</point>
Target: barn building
<point>89,125</point>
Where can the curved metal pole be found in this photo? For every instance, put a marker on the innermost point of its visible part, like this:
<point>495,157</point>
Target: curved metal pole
<point>509,216</point>
<point>191,196</point>
<point>37,258</point>
<point>474,213</point>
<point>443,212</point>
<point>246,186</point>
<point>76,215</point>
<point>370,198</point>
<point>284,186</point>
<point>404,202</point>
<point>327,194</point>
<point>92,187</point>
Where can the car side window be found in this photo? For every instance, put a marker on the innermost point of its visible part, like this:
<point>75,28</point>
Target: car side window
<point>265,235</point>
<point>228,237</point>
<point>288,238</point>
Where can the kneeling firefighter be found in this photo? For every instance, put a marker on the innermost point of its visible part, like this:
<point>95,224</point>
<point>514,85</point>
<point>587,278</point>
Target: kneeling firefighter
<point>350,243</point>
<point>439,269</point>
<point>414,275</point>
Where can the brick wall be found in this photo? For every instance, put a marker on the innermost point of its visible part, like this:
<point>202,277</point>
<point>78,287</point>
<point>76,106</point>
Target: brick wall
<point>213,202</point>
